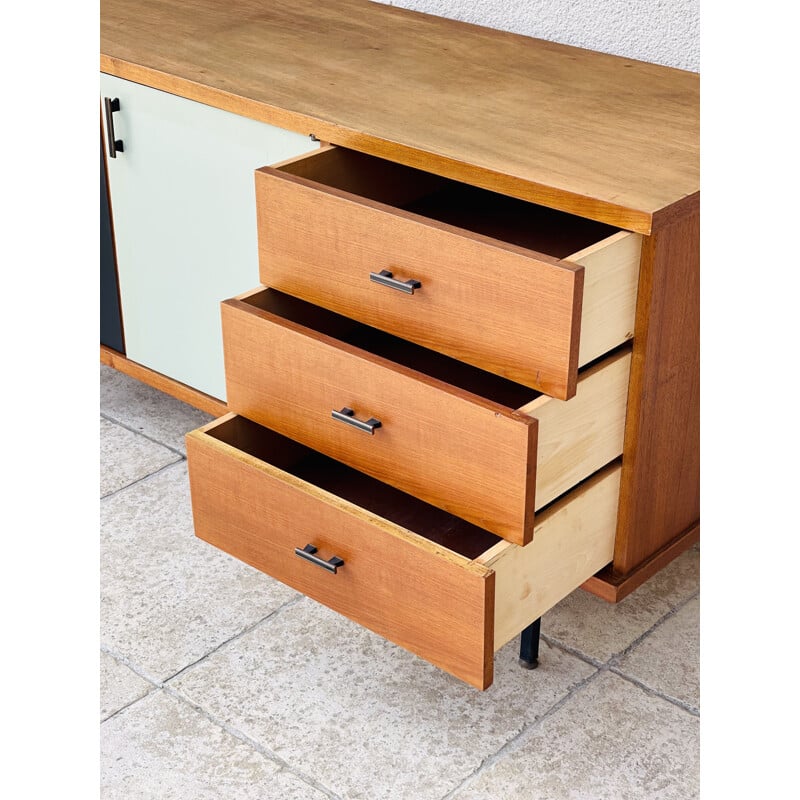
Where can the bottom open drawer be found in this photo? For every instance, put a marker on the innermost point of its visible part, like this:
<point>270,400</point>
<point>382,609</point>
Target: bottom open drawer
<point>441,587</point>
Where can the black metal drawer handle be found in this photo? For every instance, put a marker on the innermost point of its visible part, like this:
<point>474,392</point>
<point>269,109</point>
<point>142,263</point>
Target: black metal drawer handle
<point>114,145</point>
<point>307,552</point>
<point>386,278</point>
<point>348,415</point>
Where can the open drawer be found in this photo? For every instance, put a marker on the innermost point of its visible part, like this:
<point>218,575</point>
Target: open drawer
<point>465,440</point>
<point>442,588</point>
<point>508,286</point>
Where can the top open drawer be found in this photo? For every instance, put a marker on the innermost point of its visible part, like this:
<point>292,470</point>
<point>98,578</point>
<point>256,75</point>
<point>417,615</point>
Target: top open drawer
<point>511,287</point>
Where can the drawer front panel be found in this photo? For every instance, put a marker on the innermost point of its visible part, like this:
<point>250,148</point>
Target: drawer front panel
<point>491,304</point>
<point>451,449</point>
<point>433,602</point>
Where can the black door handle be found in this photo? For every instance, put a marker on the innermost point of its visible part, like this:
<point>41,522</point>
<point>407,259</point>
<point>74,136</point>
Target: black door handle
<point>114,145</point>
<point>348,415</point>
<point>307,552</point>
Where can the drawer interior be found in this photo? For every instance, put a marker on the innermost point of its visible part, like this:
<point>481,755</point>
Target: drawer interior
<point>439,527</point>
<point>436,365</point>
<point>477,210</point>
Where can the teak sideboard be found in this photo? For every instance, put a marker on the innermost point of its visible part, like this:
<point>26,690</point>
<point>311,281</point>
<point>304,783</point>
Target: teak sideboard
<point>452,335</point>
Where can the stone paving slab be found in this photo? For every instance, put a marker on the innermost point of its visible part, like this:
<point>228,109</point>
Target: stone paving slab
<point>144,409</point>
<point>284,698</point>
<point>127,457</point>
<point>668,659</point>
<point>119,686</point>
<point>161,749</point>
<point>609,741</point>
<point>370,718</point>
<point>601,630</point>
<point>167,597</point>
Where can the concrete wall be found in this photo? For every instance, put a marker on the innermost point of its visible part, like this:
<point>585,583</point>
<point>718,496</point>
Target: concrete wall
<point>661,31</point>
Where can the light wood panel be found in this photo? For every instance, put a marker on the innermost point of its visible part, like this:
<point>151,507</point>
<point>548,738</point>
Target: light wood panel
<point>600,136</point>
<point>483,301</point>
<point>572,540</point>
<point>435,442</point>
<point>394,582</point>
<point>611,278</point>
<point>578,437</point>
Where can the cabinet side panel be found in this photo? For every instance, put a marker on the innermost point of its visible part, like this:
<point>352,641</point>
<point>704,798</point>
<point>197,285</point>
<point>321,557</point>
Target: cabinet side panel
<point>660,493</point>
<point>184,220</point>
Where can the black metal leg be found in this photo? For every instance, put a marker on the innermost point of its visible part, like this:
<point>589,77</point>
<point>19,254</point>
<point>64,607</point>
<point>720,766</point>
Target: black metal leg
<point>529,645</point>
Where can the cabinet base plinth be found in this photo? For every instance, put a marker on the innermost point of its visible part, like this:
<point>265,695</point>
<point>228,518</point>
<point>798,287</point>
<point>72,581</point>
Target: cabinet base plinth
<point>613,588</point>
<point>161,382</point>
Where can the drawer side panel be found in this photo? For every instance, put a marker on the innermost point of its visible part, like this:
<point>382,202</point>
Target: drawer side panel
<point>579,437</point>
<point>572,541</point>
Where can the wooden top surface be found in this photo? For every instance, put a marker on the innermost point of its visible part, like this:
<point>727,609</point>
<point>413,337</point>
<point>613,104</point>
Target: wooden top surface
<point>605,137</point>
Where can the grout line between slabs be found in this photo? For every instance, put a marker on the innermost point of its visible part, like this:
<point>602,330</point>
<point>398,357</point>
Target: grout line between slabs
<point>257,746</point>
<point>160,684</point>
<point>239,635</point>
<point>143,478</point>
<point>151,690</point>
<point>109,418</point>
<point>614,660</point>
<point>513,744</point>
<point>612,664</point>
<point>585,657</point>
<point>237,734</point>
<point>132,666</point>
<point>682,704</point>
<point>615,667</point>
<point>137,670</point>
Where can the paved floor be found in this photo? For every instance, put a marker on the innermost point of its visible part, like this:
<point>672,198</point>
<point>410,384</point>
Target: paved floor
<point>218,682</point>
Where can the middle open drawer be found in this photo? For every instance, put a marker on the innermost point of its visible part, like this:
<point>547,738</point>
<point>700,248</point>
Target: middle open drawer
<point>470,442</point>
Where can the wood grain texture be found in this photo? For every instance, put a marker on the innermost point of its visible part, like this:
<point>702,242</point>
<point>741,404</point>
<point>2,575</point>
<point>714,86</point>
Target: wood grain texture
<point>600,136</point>
<point>435,442</point>
<point>187,394</point>
<point>259,513</point>
<point>612,588</point>
<point>573,539</point>
<point>610,261</point>
<point>660,492</point>
<point>482,301</point>
<point>359,174</point>
<point>455,443</point>
<point>611,278</point>
<point>580,436</point>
